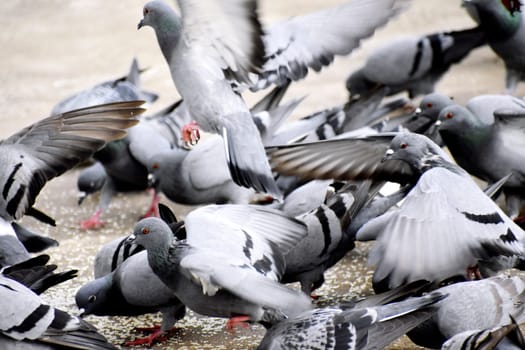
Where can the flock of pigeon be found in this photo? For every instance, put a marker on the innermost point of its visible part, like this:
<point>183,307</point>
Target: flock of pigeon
<point>283,201</point>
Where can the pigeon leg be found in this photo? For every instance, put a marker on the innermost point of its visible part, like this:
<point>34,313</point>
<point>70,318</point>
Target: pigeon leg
<point>153,209</point>
<point>473,273</point>
<point>157,335</point>
<point>237,321</point>
<point>94,222</point>
<point>190,133</point>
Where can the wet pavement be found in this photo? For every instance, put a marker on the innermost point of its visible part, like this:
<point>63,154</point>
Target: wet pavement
<point>55,48</point>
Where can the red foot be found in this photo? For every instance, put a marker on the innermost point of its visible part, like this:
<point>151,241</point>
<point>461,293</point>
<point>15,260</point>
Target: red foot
<point>237,321</point>
<point>154,206</point>
<point>473,273</point>
<point>93,223</point>
<point>190,133</point>
<point>314,296</point>
<point>156,336</point>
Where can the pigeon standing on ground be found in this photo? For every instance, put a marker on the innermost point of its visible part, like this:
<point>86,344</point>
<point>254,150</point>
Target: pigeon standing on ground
<point>505,29</point>
<point>214,42</point>
<point>48,148</point>
<point>445,225</point>
<point>361,325</point>
<point>414,64</point>
<point>486,138</point>
<point>229,264</point>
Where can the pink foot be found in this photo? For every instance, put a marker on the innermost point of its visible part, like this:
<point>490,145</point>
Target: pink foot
<point>153,209</point>
<point>473,273</point>
<point>156,336</point>
<point>191,134</point>
<point>93,223</point>
<point>237,321</point>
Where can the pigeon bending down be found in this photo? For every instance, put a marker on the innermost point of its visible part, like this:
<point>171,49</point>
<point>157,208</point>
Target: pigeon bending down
<point>230,263</point>
<point>29,323</point>
<point>445,225</point>
<point>473,305</point>
<point>351,326</point>
<point>507,337</point>
<point>505,28</point>
<point>213,44</point>
<point>126,88</point>
<point>47,149</point>
<point>414,64</point>
<point>486,138</point>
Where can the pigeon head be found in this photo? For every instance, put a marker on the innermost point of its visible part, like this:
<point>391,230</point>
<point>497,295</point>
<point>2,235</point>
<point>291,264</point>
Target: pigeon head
<point>457,120</point>
<point>90,180</point>
<point>166,23</point>
<point>93,297</point>
<point>414,149</point>
<point>151,233</point>
<point>432,104</point>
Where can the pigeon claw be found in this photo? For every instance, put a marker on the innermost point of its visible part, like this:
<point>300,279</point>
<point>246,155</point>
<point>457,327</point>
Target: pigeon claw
<point>237,321</point>
<point>153,209</point>
<point>190,134</point>
<point>93,223</point>
<point>473,273</point>
<point>157,335</point>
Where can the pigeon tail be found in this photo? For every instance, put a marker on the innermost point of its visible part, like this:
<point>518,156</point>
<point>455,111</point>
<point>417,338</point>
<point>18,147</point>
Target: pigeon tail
<point>246,157</point>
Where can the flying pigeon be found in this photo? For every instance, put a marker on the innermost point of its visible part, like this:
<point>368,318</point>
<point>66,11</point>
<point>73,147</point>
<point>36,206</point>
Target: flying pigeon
<point>230,263</point>
<point>445,225</point>
<point>414,64</point>
<point>47,149</point>
<point>505,29</point>
<point>213,43</point>
<point>485,138</point>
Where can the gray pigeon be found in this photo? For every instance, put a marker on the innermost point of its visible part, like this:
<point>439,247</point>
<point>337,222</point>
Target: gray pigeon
<point>213,43</point>
<point>414,64</point>
<point>506,337</point>
<point>126,88</point>
<point>445,225</point>
<point>131,289</point>
<point>353,326</point>
<point>28,322</point>
<point>505,28</point>
<point>47,149</point>
<point>230,263</point>
<point>473,305</point>
<point>486,138</point>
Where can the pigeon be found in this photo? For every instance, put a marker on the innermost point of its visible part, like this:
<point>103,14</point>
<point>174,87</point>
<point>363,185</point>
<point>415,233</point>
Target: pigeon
<point>505,29</point>
<point>485,138</point>
<point>351,326</point>
<point>414,64</point>
<point>47,149</point>
<point>126,88</point>
<point>445,225</point>
<point>131,289</point>
<point>472,305</point>
<point>202,63</point>
<point>29,323</point>
<point>502,337</point>
<point>230,263</point>
<point>125,163</point>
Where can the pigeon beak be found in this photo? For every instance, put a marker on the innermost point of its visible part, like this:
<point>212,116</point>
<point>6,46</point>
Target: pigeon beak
<point>81,312</point>
<point>152,181</point>
<point>388,154</point>
<point>438,123</point>
<point>131,238</point>
<point>417,111</point>
<point>141,24</point>
<point>81,196</point>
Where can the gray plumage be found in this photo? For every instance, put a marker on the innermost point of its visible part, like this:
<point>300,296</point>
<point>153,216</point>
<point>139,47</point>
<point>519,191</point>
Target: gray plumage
<point>486,138</point>
<point>505,29</point>
<point>48,148</point>
<point>472,305</point>
<point>230,262</point>
<point>445,225</point>
<point>414,64</point>
<point>126,88</point>
<point>353,326</point>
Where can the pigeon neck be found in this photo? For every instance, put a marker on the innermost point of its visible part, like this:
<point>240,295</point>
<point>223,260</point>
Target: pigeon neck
<point>168,33</point>
<point>499,24</point>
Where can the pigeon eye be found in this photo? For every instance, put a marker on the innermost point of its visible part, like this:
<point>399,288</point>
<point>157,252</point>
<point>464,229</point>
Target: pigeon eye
<point>92,298</point>
<point>403,145</point>
<point>155,166</point>
<point>145,230</point>
<point>146,11</point>
<point>512,5</point>
<point>429,105</point>
<point>449,115</point>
